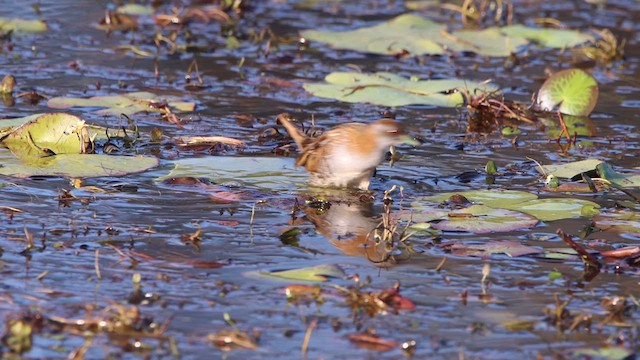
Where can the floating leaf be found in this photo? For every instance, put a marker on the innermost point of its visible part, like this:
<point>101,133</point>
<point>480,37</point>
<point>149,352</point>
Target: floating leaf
<point>47,134</point>
<point>414,35</point>
<point>404,33</point>
<point>572,91</point>
<point>494,198</point>
<point>511,248</point>
<point>613,352</point>
<point>314,273</point>
<point>481,219</point>
<point>388,89</point>
<point>623,180</point>
<point>95,132</point>
<point>127,104</point>
<point>553,38</point>
<point>135,9</point>
<point>22,25</point>
<point>264,172</point>
<point>569,170</point>
<point>76,165</point>
<point>556,208</point>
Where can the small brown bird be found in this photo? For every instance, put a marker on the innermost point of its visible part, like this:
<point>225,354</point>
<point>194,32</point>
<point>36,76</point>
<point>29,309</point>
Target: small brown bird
<point>347,155</point>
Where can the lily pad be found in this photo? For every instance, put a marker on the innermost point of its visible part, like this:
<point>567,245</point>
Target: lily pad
<point>494,198</point>
<point>482,219</point>
<point>388,89</point>
<point>415,35</point>
<point>319,273</point>
<point>76,165</point>
<point>22,25</point>
<point>127,104</point>
<point>556,208</point>
<point>95,132</point>
<point>54,133</point>
<point>511,248</point>
<point>569,170</point>
<point>623,180</point>
<point>262,172</point>
<point>571,91</point>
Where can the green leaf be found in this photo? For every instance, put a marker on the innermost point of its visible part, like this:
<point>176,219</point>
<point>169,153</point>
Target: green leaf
<point>569,170</point>
<point>493,198</point>
<point>553,38</point>
<point>135,9</point>
<point>56,133</point>
<point>579,125</point>
<point>622,180</point>
<point>511,248</point>
<point>484,219</point>
<point>318,273</point>
<point>408,32</point>
<point>22,25</point>
<point>556,208</point>
<point>388,89</point>
<point>572,91</point>
<point>262,172</point>
<point>76,165</point>
<point>415,35</point>
<point>127,104</point>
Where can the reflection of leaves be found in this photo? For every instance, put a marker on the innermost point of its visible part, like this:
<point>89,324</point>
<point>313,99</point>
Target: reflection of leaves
<point>127,104</point>
<point>578,125</point>
<point>418,36</point>
<point>572,91</point>
<point>391,90</point>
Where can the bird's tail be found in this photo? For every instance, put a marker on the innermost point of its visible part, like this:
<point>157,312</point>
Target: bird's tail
<point>295,133</point>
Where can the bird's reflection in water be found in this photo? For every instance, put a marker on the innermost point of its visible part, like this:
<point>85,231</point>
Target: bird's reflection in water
<point>354,225</point>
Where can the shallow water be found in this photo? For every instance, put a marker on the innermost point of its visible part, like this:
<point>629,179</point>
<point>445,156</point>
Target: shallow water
<point>192,288</point>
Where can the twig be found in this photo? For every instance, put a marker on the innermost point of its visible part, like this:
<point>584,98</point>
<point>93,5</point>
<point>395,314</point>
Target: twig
<point>97,264</point>
<point>307,336</point>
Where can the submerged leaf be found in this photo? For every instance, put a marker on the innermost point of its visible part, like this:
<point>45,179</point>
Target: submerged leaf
<point>388,89</point>
<point>571,91</point>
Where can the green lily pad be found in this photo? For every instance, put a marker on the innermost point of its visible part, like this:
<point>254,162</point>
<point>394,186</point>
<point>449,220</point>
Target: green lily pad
<point>22,25</point>
<point>319,273</point>
<point>482,219</point>
<point>127,104</point>
<point>571,91</point>
<point>404,33</point>
<point>75,165</point>
<point>55,133</point>
<point>95,132</point>
<point>553,38</point>
<point>569,170</point>
<point>261,172</point>
<point>388,89</point>
<point>556,208</point>
<point>415,35</point>
<point>135,9</point>
<point>494,198</point>
<point>510,248</point>
<point>623,180</point>
<point>523,202</point>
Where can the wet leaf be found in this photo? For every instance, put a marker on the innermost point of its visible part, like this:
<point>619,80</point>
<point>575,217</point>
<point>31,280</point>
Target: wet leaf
<point>623,180</point>
<point>414,35</point>
<point>317,273</point>
<point>22,25</point>
<point>127,104</point>
<point>511,248</point>
<point>569,170</point>
<point>232,339</point>
<point>481,219</point>
<point>373,342</point>
<point>576,125</point>
<point>388,89</point>
<point>493,198</point>
<point>47,134</point>
<point>135,9</point>
<point>606,352</point>
<point>571,91</point>
<point>76,165</point>
<point>208,140</point>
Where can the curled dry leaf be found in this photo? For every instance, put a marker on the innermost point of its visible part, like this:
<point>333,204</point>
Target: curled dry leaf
<point>208,140</point>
